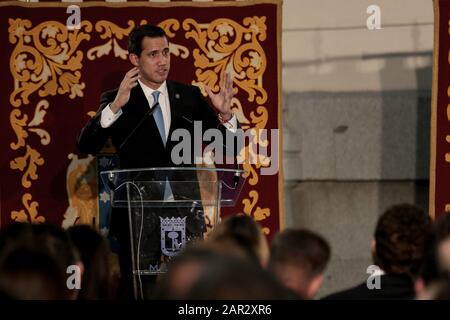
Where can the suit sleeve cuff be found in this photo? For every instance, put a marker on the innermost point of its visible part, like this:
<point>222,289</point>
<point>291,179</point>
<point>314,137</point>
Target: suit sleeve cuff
<point>231,124</point>
<point>108,117</point>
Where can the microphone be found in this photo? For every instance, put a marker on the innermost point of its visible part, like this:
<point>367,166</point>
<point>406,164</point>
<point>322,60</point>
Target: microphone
<point>110,182</point>
<point>194,205</point>
<point>236,178</point>
<point>187,119</point>
<point>147,114</point>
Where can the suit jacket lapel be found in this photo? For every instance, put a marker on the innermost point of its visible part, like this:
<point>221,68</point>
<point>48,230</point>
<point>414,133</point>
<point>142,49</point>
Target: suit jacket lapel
<point>139,102</point>
<point>138,99</point>
<point>175,106</point>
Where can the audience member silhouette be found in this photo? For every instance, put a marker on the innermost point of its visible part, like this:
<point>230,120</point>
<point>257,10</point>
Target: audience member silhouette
<point>184,270</point>
<point>298,258</point>
<point>399,250</point>
<point>228,278</point>
<point>435,271</point>
<point>34,261</point>
<point>95,254</point>
<point>241,235</point>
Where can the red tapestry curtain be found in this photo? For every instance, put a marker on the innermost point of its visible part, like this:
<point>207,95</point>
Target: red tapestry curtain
<point>440,117</point>
<point>53,77</point>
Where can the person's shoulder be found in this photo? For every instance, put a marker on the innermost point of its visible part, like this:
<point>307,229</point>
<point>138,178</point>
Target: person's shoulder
<point>354,293</point>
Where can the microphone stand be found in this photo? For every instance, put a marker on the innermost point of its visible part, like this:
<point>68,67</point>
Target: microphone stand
<point>147,114</point>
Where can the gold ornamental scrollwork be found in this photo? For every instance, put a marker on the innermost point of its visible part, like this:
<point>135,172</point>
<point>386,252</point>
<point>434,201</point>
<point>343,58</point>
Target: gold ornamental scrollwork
<point>46,61</point>
<point>45,58</point>
<point>447,137</point>
<point>29,214</point>
<point>111,31</point>
<point>225,45</point>
<point>225,42</point>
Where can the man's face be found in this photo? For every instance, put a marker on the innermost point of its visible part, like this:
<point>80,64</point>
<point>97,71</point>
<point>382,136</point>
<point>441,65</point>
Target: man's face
<point>154,61</point>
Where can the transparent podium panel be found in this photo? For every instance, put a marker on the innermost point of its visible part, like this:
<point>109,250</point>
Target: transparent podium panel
<point>167,208</point>
<point>149,185</point>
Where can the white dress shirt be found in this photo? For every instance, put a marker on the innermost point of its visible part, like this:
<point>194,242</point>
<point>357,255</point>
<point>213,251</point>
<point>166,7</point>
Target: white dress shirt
<point>163,102</point>
<point>108,117</point>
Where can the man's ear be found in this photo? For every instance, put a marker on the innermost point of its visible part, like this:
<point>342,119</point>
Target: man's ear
<point>373,246</point>
<point>314,286</point>
<point>134,59</point>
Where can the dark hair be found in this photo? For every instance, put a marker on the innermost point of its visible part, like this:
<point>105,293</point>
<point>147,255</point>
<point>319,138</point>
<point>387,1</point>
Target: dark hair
<point>301,248</point>
<point>196,254</point>
<point>228,278</point>
<point>432,269</point>
<point>442,228</point>
<point>50,240</point>
<point>441,233</point>
<point>139,33</point>
<point>29,272</point>
<point>401,236</point>
<point>95,254</point>
<point>429,271</point>
<point>57,242</point>
<point>242,231</point>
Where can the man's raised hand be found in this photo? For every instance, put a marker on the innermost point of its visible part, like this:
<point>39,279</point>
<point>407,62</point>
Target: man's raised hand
<point>123,94</point>
<point>222,100</point>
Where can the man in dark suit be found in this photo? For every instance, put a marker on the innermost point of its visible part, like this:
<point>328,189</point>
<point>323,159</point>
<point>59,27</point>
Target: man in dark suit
<point>298,258</point>
<point>399,251</point>
<point>142,137</point>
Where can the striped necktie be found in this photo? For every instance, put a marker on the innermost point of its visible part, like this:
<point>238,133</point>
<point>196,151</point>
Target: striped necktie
<point>168,195</point>
<point>159,116</point>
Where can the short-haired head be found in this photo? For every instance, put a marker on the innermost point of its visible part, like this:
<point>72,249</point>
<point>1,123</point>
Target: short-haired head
<point>139,33</point>
<point>400,239</point>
